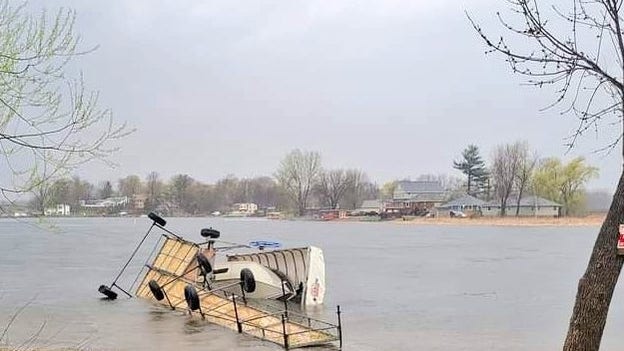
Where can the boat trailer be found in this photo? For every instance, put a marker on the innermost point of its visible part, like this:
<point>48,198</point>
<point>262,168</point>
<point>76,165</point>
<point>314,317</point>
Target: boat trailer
<point>175,275</point>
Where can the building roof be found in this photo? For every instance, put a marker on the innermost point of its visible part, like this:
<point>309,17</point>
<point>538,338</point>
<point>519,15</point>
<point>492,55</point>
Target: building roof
<point>423,197</point>
<point>420,186</point>
<point>464,200</point>
<point>527,201</point>
<point>368,204</point>
<point>536,200</point>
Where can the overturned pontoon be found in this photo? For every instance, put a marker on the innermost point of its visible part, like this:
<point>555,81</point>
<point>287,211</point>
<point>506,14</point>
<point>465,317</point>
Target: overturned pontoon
<point>179,274</point>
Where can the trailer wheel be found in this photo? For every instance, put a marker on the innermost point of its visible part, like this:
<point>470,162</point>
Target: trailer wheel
<point>249,282</point>
<point>156,290</point>
<point>204,264</point>
<point>110,294</point>
<point>191,297</point>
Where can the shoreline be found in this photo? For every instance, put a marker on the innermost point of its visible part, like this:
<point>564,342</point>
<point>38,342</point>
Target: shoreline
<point>512,221</point>
<point>588,221</point>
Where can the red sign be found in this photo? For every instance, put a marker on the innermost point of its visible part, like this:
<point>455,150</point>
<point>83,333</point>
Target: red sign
<point>620,243</point>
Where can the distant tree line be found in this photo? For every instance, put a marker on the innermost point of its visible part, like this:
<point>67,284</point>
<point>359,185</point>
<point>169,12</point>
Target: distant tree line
<point>300,182</point>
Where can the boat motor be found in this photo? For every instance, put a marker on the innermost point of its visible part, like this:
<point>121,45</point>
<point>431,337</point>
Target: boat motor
<point>108,290</point>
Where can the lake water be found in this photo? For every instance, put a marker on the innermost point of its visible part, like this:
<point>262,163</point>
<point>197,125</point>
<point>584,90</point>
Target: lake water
<point>401,287</point>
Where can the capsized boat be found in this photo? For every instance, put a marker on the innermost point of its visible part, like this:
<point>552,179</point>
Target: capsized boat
<point>180,272</point>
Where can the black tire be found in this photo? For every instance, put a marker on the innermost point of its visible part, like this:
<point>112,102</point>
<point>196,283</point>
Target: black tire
<point>191,297</point>
<point>110,294</point>
<point>156,290</point>
<point>204,264</point>
<point>210,233</point>
<point>249,282</point>
<point>157,219</point>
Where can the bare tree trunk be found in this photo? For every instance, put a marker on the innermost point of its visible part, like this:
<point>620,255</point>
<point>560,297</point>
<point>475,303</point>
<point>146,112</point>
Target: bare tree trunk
<point>518,202</point>
<point>595,288</point>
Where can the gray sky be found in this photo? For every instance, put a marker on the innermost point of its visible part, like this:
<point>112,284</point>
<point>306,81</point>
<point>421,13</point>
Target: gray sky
<point>396,88</point>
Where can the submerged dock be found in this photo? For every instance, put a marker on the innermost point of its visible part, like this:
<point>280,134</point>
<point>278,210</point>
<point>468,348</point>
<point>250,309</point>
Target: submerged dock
<point>174,269</point>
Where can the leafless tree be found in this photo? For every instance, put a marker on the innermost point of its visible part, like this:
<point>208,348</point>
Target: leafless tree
<point>46,117</point>
<point>333,184</point>
<point>360,188</point>
<point>451,184</point>
<point>505,165</point>
<point>297,174</point>
<point>179,190</point>
<point>524,173</point>
<point>130,185</point>
<point>579,51</point>
<point>42,190</point>
<point>154,188</point>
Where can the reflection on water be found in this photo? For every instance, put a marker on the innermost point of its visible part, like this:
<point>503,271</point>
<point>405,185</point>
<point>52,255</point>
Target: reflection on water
<point>401,287</point>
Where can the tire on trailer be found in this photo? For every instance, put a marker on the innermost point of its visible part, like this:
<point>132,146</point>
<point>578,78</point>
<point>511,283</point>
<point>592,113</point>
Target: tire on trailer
<point>249,282</point>
<point>110,294</point>
<point>156,290</point>
<point>203,263</point>
<point>191,297</point>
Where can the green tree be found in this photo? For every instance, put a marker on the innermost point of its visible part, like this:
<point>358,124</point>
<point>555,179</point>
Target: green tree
<point>564,183</point>
<point>297,174</point>
<point>473,166</point>
<point>49,122</point>
<point>576,47</point>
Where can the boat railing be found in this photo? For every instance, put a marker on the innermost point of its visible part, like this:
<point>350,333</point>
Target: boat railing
<point>291,324</point>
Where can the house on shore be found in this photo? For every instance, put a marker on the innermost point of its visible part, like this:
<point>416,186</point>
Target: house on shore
<point>109,205</point>
<point>369,207</point>
<point>58,210</point>
<point>530,206</point>
<point>416,197</point>
<point>244,209</point>
<point>467,204</point>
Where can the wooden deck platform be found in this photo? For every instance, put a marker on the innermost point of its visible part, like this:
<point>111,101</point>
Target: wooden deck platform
<point>174,267</point>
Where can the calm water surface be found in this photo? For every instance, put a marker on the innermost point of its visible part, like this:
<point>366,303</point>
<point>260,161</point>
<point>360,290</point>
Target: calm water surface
<point>402,287</point>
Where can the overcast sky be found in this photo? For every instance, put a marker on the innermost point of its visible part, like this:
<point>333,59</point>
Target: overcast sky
<point>395,88</point>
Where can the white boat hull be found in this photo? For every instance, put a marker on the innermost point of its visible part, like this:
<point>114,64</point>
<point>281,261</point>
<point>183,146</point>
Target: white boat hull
<point>304,268</point>
<point>268,283</point>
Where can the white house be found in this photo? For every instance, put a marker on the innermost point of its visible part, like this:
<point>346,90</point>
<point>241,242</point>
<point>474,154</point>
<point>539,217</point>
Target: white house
<point>529,206</point>
<point>59,210</point>
<point>245,208</point>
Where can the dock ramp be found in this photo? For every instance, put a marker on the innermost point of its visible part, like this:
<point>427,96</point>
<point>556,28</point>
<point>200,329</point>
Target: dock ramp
<point>174,268</point>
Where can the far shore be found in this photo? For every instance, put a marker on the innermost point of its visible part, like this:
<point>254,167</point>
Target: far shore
<point>591,220</point>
